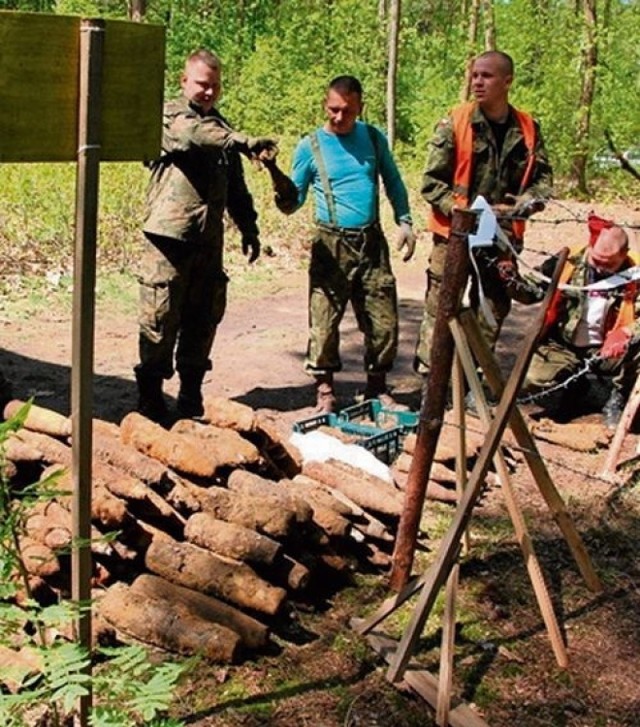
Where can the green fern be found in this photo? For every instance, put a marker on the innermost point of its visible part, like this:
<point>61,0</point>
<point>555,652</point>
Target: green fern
<point>128,690</point>
<point>128,680</point>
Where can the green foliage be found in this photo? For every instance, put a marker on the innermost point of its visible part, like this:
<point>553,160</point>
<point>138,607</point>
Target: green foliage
<point>277,59</point>
<point>129,690</point>
<point>128,684</point>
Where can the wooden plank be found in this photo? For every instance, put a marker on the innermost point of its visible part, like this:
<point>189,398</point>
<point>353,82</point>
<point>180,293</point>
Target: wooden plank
<point>441,567</point>
<point>515,513</point>
<point>133,79</point>
<point>425,684</point>
<point>364,625</point>
<point>133,85</point>
<point>626,420</point>
<point>461,448</point>
<point>447,644</point>
<point>447,649</point>
<point>38,87</point>
<point>532,455</point>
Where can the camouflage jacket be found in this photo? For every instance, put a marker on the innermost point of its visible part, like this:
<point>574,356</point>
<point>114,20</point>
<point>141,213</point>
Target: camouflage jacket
<point>493,175</point>
<point>198,175</point>
<point>566,316</point>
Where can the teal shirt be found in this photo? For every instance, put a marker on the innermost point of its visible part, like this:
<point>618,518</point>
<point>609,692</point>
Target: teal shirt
<point>350,161</point>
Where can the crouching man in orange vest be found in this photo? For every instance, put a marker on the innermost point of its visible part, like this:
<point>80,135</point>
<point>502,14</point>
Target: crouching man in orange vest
<point>602,325</point>
<point>488,148</point>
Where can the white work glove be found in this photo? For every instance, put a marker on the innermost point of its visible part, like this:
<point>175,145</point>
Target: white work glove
<point>407,239</point>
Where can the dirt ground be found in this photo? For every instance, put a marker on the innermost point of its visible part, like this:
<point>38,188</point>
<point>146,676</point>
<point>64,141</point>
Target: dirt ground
<point>325,676</point>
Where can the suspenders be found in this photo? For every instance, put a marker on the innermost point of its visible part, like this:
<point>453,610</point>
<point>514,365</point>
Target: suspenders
<point>324,177</point>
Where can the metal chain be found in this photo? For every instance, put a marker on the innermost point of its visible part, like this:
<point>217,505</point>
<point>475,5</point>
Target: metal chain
<point>586,367</point>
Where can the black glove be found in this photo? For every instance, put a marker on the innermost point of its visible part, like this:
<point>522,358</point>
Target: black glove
<point>262,147</point>
<point>251,247</point>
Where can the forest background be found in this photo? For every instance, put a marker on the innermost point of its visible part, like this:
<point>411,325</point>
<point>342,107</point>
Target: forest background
<point>577,71</point>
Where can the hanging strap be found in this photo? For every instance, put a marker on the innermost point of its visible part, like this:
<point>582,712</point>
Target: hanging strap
<point>324,178</point>
<point>373,135</point>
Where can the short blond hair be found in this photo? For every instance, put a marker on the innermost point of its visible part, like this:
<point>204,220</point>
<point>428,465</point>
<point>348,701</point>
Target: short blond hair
<point>205,56</point>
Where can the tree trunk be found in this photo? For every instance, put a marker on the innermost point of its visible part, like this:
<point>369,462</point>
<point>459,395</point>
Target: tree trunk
<point>589,72</point>
<point>472,36</point>
<point>392,69</point>
<point>137,9</point>
<point>489,25</point>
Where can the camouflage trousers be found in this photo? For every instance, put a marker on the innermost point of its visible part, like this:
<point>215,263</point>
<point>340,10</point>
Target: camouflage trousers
<point>554,362</point>
<point>183,295</point>
<point>497,294</point>
<point>351,265</point>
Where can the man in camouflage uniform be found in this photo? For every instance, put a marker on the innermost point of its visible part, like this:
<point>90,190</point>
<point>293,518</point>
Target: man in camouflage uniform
<point>498,161</point>
<point>601,326</point>
<point>341,162</point>
<point>182,280</point>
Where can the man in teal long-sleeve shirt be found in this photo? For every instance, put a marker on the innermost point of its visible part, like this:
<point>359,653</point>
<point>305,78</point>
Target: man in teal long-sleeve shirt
<point>342,162</point>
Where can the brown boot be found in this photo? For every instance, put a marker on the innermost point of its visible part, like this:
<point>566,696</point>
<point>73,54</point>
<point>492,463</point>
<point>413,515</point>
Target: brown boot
<point>377,389</point>
<point>325,396</point>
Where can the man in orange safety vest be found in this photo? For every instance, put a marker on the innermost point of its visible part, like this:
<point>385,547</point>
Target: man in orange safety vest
<point>488,148</point>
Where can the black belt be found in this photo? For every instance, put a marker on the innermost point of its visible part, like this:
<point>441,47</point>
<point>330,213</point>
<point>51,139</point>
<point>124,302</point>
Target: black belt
<point>350,233</point>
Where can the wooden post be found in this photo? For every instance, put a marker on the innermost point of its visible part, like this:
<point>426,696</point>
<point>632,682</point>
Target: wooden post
<point>89,115</point>
<point>434,397</point>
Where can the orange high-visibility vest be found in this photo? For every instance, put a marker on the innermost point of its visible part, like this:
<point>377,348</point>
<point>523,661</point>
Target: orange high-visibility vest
<point>626,313</point>
<point>463,149</point>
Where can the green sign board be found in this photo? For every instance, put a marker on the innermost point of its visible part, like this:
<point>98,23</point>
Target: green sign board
<point>39,89</point>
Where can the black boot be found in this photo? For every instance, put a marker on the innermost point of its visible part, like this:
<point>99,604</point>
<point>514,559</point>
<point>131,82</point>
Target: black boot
<point>190,405</point>
<point>151,403</point>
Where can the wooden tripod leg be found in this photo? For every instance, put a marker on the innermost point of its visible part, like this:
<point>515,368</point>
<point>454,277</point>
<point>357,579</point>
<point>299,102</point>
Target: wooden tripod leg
<point>389,605</point>
<point>515,513</point>
<point>439,571</point>
<point>628,415</point>
<point>447,647</point>
<point>536,464</point>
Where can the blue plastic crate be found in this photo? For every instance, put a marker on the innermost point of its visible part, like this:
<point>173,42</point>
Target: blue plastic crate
<point>384,418</point>
<point>382,436</point>
<point>306,425</point>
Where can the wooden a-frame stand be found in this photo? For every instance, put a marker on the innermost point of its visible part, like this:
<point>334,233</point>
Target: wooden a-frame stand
<point>469,343</point>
